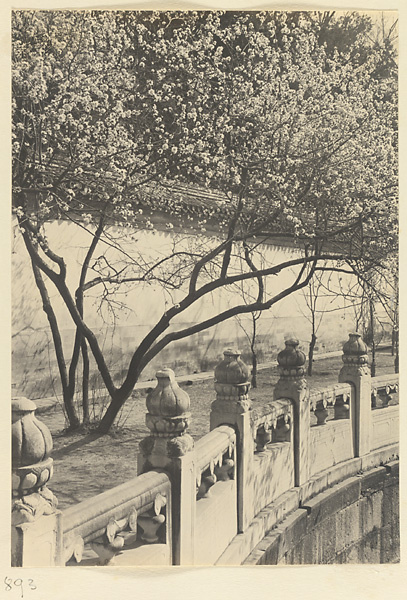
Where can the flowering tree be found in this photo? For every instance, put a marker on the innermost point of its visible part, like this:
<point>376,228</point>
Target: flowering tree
<point>85,131</point>
<point>111,108</point>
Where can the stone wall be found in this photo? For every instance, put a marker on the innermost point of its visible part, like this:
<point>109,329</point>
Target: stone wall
<point>34,365</point>
<point>356,521</point>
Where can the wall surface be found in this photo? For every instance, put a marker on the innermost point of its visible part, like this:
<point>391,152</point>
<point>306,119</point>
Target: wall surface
<point>34,365</point>
<point>356,521</point>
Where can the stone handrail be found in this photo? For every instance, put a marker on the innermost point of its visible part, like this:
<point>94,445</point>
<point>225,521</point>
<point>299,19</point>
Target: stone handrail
<point>271,411</point>
<point>271,422</point>
<point>214,458</point>
<point>391,379</point>
<point>212,446</point>
<point>112,520</point>
<point>383,387</point>
<point>337,396</point>
<point>329,395</point>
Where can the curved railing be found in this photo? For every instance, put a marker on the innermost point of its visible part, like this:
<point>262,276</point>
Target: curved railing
<point>385,390</point>
<point>212,502</point>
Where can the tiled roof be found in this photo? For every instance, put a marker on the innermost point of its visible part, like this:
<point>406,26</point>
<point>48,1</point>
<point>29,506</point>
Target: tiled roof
<point>169,201</point>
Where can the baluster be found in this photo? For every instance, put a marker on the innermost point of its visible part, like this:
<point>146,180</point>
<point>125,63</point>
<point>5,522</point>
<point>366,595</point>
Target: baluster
<point>263,437</point>
<point>117,535</point>
<point>282,433</point>
<point>341,407</point>
<point>321,412</point>
<point>151,521</point>
<point>204,489</point>
<point>224,472</point>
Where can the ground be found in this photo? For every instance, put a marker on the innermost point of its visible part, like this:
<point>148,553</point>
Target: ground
<point>88,464</point>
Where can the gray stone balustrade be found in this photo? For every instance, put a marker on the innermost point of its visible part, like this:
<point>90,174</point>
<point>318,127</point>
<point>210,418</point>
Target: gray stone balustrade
<point>384,390</point>
<point>271,423</point>
<point>338,397</point>
<point>169,446</point>
<point>215,459</point>
<point>250,458</point>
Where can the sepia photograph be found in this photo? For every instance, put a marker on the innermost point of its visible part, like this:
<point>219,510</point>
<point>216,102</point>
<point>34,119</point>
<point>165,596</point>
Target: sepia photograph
<point>204,288</point>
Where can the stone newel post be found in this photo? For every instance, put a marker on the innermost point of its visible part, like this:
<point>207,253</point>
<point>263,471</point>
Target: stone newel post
<point>356,371</point>
<point>36,532</point>
<point>232,407</point>
<point>293,385</point>
<point>170,447</point>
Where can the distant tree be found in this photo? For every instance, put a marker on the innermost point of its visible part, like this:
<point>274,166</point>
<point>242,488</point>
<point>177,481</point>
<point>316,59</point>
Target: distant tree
<point>312,294</point>
<point>112,107</point>
<point>321,297</point>
<point>374,297</point>
<point>251,331</point>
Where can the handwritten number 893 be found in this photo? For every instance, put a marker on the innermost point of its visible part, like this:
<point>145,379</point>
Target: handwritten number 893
<point>18,583</point>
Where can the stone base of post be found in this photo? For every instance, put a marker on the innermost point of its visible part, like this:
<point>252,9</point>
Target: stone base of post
<point>38,544</point>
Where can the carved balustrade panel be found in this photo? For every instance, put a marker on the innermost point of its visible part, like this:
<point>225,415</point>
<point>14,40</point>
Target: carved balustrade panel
<point>385,391</point>
<point>215,459</point>
<point>273,459</point>
<point>331,403</point>
<point>271,423</point>
<point>119,521</point>
<point>385,410</point>
<point>334,443</point>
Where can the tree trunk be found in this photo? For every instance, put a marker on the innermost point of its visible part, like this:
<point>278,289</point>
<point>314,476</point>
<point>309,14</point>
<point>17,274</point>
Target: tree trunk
<point>85,383</point>
<point>254,355</point>
<point>117,401</point>
<point>70,410</point>
<point>373,365</point>
<point>66,391</point>
<point>311,353</point>
<point>254,370</point>
<point>111,413</point>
